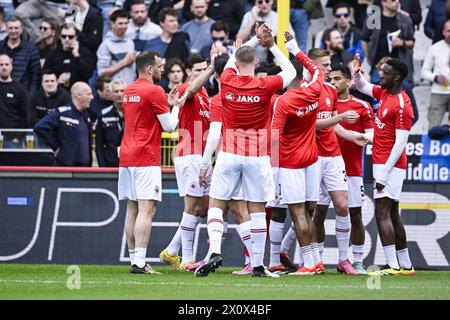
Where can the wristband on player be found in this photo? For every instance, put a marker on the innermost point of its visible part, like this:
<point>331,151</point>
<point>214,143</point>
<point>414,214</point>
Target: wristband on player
<point>292,46</point>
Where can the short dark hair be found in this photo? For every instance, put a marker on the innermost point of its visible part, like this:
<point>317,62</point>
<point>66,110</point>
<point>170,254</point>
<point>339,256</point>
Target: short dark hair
<point>399,66</point>
<point>48,71</point>
<point>263,67</point>
<point>145,59</point>
<point>298,69</point>
<point>137,2</point>
<point>167,12</point>
<point>174,62</point>
<point>100,82</point>
<point>316,53</point>
<point>327,34</point>
<point>341,5</point>
<point>219,63</point>
<point>219,26</point>
<point>121,13</point>
<point>342,68</point>
<point>193,59</point>
<point>245,54</point>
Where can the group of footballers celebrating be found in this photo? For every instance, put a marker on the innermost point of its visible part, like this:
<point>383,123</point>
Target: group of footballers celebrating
<point>300,150</point>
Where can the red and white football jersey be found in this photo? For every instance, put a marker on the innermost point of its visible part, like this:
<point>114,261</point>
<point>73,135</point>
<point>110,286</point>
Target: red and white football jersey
<point>294,121</point>
<point>351,152</point>
<point>326,138</point>
<point>141,142</point>
<point>394,113</point>
<point>194,119</point>
<point>246,112</point>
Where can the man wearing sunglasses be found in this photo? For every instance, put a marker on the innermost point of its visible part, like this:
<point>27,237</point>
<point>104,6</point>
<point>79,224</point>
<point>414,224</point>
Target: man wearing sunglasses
<point>349,32</point>
<point>71,62</point>
<point>219,37</point>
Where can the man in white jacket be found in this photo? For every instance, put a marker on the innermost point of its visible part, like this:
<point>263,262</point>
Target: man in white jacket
<point>436,68</point>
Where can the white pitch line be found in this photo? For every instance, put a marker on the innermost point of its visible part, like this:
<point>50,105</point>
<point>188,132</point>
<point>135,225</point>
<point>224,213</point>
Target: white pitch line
<point>219,284</point>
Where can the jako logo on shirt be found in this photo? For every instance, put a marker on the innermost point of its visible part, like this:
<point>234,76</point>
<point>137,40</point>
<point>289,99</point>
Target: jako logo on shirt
<point>301,112</point>
<point>131,99</point>
<point>248,99</point>
<point>229,96</point>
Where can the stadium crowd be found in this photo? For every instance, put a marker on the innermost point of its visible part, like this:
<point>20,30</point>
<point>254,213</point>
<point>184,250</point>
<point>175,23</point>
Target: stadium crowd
<point>48,46</point>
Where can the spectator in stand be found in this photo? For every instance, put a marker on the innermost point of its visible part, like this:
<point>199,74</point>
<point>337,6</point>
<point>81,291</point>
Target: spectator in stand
<point>102,99</point>
<point>72,62</point>
<point>156,7</point>
<point>3,31</point>
<point>411,8</point>
<point>333,43</point>
<point>350,34</point>
<point>67,130</point>
<point>49,97</point>
<point>299,19</point>
<point>228,11</point>
<point>116,54</point>
<point>436,68</point>
<point>262,13</point>
<point>49,38</point>
<point>140,28</point>
<point>437,14</point>
<point>400,30</point>
<point>89,24</point>
<point>220,37</point>
<point>198,28</point>
<point>31,10</point>
<point>24,56</point>
<point>440,132</point>
<point>110,128</point>
<point>106,8</point>
<point>359,9</point>
<point>174,74</point>
<point>172,43</point>
<point>13,98</point>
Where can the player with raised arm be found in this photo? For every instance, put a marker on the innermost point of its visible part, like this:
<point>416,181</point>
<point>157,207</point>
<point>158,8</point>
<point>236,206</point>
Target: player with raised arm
<point>294,129</point>
<point>392,125</point>
<point>352,154</point>
<point>146,114</point>
<point>244,161</point>
<point>332,169</point>
<point>194,121</point>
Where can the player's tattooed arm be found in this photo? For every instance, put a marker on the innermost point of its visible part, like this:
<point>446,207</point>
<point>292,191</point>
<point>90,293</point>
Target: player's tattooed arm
<point>360,81</point>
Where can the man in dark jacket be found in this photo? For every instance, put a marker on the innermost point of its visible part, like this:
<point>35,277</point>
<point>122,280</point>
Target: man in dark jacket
<point>72,62</point>
<point>435,20</point>
<point>399,28</point>
<point>47,98</point>
<point>24,55</point>
<point>67,130</point>
<point>13,97</point>
<point>110,128</point>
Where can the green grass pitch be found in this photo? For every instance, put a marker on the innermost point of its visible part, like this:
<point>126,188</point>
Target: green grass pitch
<point>32,281</point>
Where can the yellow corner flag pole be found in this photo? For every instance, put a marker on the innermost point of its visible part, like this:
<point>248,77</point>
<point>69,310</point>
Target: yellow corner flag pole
<point>283,23</point>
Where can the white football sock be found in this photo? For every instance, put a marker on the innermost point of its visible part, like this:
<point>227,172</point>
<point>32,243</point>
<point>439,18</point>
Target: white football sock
<point>215,229</point>
<point>187,225</point>
<point>225,231</point>
<point>358,253</point>
<point>131,252</point>
<point>315,252</point>
<point>246,237</point>
<point>308,257</point>
<point>259,233</point>
<point>289,237</point>
<point>139,257</point>
<point>391,256</point>
<point>343,236</point>
<point>403,259</point>
<point>276,236</point>
<point>321,246</point>
<point>175,245</point>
